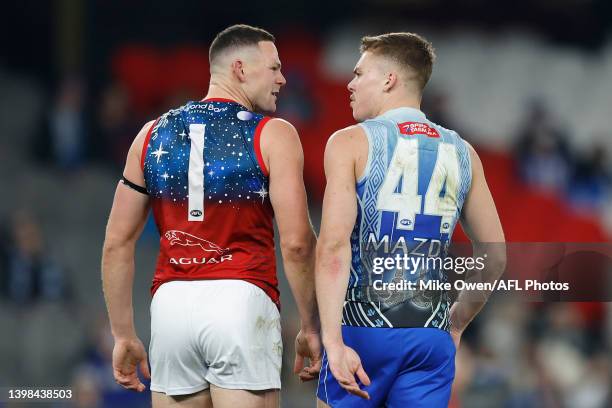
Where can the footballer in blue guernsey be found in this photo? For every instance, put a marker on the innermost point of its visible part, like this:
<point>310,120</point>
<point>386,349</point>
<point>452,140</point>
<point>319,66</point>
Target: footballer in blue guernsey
<point>397,184</point>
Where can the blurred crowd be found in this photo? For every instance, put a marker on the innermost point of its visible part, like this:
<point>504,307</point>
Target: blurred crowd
<point>519,354</point>
<point>516,354</point>
<point>547,162</point>
<point>29,273</point>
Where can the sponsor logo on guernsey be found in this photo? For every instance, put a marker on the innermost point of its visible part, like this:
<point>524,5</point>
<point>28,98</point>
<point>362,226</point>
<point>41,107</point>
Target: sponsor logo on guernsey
<point>215,253</point>
<point>216,109</point>
<point>417,128</point>
<point>207,107</point>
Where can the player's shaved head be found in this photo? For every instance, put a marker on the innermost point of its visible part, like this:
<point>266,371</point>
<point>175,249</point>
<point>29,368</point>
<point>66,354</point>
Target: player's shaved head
<point>245,66</point>
<point>408,50</point>
<point>236,37</point>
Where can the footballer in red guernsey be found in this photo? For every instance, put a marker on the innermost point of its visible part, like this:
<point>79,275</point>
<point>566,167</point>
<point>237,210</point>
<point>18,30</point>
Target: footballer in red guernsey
<point>216,173</point>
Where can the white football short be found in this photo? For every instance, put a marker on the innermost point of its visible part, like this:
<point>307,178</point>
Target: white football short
<point>221,332</point>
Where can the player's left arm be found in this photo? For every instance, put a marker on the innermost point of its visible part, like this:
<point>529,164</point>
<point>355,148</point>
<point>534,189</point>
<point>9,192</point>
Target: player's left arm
<point>125,224</point>
<point>481,223</point>
<point>284,159</point>
<point>334,256</point>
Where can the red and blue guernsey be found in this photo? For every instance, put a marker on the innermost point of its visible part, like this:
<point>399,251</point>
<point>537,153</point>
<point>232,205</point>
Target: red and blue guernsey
<point>209,192</point>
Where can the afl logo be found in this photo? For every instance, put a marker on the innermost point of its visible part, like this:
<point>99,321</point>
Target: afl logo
<point>196,213</point>
<point>405,222</point>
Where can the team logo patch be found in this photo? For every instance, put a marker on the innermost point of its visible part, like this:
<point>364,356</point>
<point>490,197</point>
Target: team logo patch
<point>177,237</point>
<point>417,128</point>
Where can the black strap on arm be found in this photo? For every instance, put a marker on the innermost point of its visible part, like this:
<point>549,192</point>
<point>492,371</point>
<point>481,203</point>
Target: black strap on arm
<point>133,186</point>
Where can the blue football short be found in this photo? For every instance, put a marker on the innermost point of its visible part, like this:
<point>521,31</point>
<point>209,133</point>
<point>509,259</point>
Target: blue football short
<point>407,367</point>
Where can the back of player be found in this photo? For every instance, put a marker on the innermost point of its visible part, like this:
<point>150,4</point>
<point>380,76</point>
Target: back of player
<point>396,188</point>
<point>215,173</point>
<point>208,187</point>
<point>409,197</point>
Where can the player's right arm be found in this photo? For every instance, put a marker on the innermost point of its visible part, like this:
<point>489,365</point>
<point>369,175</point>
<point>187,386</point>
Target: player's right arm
<point>481,223</point>
<point>334,255</point>
<point>125,224</point>
<point>284,159</point>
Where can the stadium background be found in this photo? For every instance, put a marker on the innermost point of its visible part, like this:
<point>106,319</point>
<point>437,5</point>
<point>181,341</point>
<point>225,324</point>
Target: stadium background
<point>528,83</point>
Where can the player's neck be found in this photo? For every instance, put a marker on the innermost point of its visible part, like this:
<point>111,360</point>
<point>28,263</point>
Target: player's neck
<point>216,90</point>
<point>404,102</point>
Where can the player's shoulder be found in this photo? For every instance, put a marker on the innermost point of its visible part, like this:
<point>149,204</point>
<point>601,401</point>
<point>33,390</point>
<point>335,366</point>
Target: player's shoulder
<point>279,131</point>
<point>346,142</point>
<point>458,140</point>
<point>453,134</point>
<point>161,125</point>
<point>278,125</point>
<point>170,117</point>
<point>346,136</point>
<point>470,147</point>
<point>143,135</point>
<point>348,132</point>
<point>474,157</point>
<point>378,123</point>
<point>279,139</point>
<point>145,129</point>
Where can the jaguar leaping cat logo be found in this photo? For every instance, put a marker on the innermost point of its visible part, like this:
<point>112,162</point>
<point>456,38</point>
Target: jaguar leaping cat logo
<point>177,237</point>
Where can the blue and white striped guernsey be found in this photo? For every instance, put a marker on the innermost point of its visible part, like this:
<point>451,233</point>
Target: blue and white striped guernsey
<point>409,200</point>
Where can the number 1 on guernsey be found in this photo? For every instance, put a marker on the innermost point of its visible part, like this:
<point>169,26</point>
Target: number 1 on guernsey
<point>195,175</point>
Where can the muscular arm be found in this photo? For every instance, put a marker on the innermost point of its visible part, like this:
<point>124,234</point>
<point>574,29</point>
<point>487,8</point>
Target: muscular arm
<point>283,156</point>
<point>333,248</point>
<point>481,223</point>
<point>125,225</point>
<point>334,255</point>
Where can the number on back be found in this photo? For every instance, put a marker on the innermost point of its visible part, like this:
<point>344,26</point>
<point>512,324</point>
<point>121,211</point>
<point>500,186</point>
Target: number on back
<point>195,174</point>
<point>399,190</point>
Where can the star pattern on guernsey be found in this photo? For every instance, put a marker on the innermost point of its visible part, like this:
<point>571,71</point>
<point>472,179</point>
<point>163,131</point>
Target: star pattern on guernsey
<point>159,152</point>
<point>230,171</point>
<point>262,192</point>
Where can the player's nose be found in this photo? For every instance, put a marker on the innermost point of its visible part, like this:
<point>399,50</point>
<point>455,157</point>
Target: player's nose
<point>281,79</point>
<point>350,86</point>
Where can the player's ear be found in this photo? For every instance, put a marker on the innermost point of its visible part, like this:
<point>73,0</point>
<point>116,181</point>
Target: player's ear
<point>390,81</point>
<point>238,70</point>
